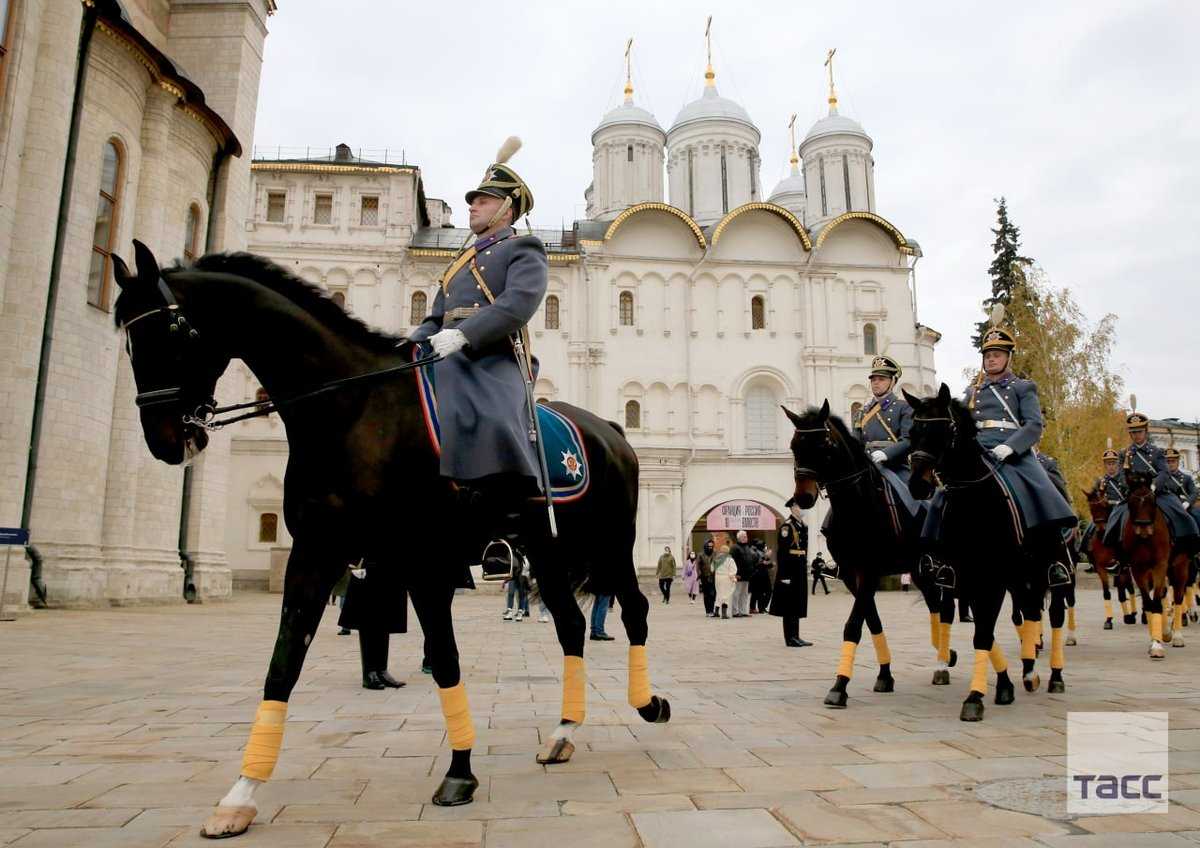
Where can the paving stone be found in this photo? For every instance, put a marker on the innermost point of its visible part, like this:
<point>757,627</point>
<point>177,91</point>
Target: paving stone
<point>1118,840</point>
<point>970,819</point>
<point>751,800</point>
<point>667,781</point>
<point>489,810</point>
<point>712,829</point>
<point>100,837</point>
<point>901,774</point>
<point>790,778</point>
<point>339,813</point>
<point>65,818</point>
<point>629,804</point>
<point>819,822</point>
<point>586,786</point>
<point>601,831</point>
<point>266,836</point>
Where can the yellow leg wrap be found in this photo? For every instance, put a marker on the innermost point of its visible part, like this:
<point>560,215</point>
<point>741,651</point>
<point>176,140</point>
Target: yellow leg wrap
<point>639,677</point>
<point>846,663</point>
<point>1071,619</point>
<point>1156,626</point>
<point>944,642</point>
<point>574,705</point>
<point>1108,609</point>
<point>935,631</point>
<point>266,738</point>
<point>1057,639</point>
<point>999,663</point>
<point>1177,619</point>
<point>1028,632</point>
<point>1133,603</point>
<point>979,677</point>
<point>459,728</point>
<point>882,652</point>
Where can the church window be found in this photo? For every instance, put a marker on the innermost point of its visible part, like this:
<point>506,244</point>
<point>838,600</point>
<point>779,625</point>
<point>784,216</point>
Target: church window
<point>633,415</point>
<point>275,206</point>
<point>855,411</point>
<point>761,424</point>
<point>824,202</point>
<point>724,183</point>
<point>867,182</point>
<point>753,176</point>
<point>870,348</point>
<point>268,527</point>
<point>104,234</point>
<point>339,298</point>
<point>370,211</point>
<point>846,180</point>
<point>691,184</point>
<point>552,312</point>
<point>323,209</point>
<point>758,313</point>
<point>191,233</point>
<point>417,311</point>
<point>629,153</point>
<point>626,309</point>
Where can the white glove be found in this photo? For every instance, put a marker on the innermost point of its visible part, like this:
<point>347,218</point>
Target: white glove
<point>878,456</point>
<point>1002,452</point>
<point>359,573</point>
<point>446,342</point>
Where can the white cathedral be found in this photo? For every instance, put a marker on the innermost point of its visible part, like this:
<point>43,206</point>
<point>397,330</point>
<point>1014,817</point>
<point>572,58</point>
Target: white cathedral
<point>688,319</point>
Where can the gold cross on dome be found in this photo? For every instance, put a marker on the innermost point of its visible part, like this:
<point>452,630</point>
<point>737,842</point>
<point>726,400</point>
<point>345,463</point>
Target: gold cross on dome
<point>829,64</point>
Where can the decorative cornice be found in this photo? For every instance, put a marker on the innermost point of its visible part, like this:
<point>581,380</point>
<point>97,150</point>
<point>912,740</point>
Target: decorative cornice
<point>297,167</point>
<point>882,223</point>
<point>656,207</point>
<point>774,209</point>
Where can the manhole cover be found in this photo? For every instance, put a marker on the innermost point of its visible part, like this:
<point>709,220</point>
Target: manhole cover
<point>1045,796</point>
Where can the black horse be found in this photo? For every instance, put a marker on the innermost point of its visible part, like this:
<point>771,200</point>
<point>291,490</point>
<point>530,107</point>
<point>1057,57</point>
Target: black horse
<point>883,540</point>
<point>943,441</point>
<point>359,456</point>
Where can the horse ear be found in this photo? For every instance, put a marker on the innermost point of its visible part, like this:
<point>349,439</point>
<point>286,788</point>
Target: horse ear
<point>825,411</point>
<point>912,401</point>
<point>147,265</point>
<point>944,394</point>
<point>120,272</point>
<point>793,417</point>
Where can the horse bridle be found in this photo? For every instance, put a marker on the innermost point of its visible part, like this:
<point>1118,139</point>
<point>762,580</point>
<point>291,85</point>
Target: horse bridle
<point>802,472</point>
<point>205,414</point>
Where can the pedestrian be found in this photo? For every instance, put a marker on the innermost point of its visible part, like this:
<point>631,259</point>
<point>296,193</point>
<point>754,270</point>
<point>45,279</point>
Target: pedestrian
<point>600,605</point>
<point>788,601</point>
<point>708,588</point>
<point>517,600</point>
<point>691,576</point>
<point>666,574</point>
<point>745,558</point>
<point>760,579</point>
<point>376,606</point>
<point>818,573</point>
<point>725,578</point>
<point>905,581</point>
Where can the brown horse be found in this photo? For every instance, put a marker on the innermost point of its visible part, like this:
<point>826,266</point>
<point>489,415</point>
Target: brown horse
<point>1104,557</point>
<point>1146,546</point>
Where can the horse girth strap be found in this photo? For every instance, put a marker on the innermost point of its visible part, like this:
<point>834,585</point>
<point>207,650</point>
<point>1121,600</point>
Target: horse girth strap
<point>874,413</point>
<point>491,298</point>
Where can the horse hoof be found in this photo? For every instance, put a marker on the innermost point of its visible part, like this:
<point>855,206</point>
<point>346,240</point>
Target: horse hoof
<point>1108,624</point>
<point>1032,681</point>
<point>1177,642</point>
<point>1143,616</point>
<point>971,711</point>
<point>836,699</point>
<point>1194,616</point>
<point>455,791</point>
<point>1056,687</point>
<point>885,684</point>
<point>560,752</point>
<point>953,659</point>
<point>228,821</point>
<point>1132,618</point>
<point>658,711</point>
<point>1005,693</point>
<point>941,677</point>
<point>1157,652</point>
<point>1071,642</point>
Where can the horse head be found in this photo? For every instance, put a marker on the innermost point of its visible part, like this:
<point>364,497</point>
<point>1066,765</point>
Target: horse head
<point>933,432</point>
<point>823,452</point>
<point>1143,509</point>
<point>174,370</point>
<point>1098,505</point>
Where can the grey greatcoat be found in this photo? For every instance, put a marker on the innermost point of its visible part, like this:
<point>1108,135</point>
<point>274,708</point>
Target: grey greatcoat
<point>1148,458</point>
<point>884,425</point>
<point>481,399</point>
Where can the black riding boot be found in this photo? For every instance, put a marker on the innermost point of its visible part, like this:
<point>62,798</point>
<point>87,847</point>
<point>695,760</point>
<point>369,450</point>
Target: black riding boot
<point>373,648</point>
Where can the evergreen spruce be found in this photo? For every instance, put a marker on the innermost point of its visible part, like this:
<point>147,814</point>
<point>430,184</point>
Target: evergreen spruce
<point>1006,268</point>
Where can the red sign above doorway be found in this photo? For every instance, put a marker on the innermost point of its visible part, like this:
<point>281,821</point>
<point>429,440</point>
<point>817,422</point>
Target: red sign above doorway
<point>740,515</point>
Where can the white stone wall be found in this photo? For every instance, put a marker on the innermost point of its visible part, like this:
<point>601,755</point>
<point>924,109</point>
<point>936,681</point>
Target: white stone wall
<point>837,155</point>
<point>617,182</point>
<point>707,141</point>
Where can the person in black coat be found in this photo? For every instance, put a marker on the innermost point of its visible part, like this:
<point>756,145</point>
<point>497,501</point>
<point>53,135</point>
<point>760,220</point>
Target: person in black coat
<point>376,606</point>
<point>789,601</point>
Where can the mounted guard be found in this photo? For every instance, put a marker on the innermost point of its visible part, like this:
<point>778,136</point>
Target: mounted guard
<point>883,424</point>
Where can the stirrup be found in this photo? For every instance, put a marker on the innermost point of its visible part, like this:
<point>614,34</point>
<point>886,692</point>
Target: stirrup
<point>1113,567</point>
<point>1057,575</point>
<point>831,570</point>
<point>499,561</point>
<point>945,577</point>
<point>926,567</point>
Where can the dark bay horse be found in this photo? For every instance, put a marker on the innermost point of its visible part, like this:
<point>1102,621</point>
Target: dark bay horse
<point>1104,557</point>
<point>359,457</point>
<point>884,540</point>
<point>1157,566</point>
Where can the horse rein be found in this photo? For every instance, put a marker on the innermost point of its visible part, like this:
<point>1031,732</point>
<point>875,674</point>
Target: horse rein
<point>800,471</point>
<point>205,415</point>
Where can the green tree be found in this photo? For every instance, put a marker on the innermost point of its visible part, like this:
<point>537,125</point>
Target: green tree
<point>1006,264</point>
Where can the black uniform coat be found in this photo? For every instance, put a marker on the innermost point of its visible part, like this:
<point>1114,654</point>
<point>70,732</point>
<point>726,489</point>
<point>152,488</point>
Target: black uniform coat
<point>482,408</point>
<point>378,601</point>
<point>790,598</point>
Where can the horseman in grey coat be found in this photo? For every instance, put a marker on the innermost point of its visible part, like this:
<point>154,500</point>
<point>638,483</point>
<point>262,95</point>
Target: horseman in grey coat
<point>1178,482</point>
<point>487,296</point>
<point>1144,457</point>
<point>883,426</point>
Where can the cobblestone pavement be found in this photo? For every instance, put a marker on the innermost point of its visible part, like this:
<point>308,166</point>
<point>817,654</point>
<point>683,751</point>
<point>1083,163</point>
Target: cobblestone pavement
<point>123,727</point>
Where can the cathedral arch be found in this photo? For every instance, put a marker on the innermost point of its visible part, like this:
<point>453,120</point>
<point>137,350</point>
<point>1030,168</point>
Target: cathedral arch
<point>638,208</point>
<point>880,222</point>
<point>771,209</point>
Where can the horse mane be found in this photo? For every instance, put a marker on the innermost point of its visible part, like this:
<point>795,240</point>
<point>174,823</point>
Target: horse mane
<point>844,432</point>
<point>963,420</point>
<point>307,296</point>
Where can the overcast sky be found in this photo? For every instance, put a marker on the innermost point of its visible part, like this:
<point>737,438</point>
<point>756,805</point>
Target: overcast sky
<point>1084,115</point>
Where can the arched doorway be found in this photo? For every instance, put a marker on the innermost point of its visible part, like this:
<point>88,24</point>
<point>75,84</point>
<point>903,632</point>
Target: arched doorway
<point>723,521</point>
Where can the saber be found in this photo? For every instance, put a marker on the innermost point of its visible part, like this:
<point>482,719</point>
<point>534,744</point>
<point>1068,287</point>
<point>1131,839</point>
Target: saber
<point>535,431</point>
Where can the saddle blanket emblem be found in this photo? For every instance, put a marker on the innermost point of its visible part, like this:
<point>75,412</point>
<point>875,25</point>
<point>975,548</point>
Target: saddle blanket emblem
<point>566,456</point>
